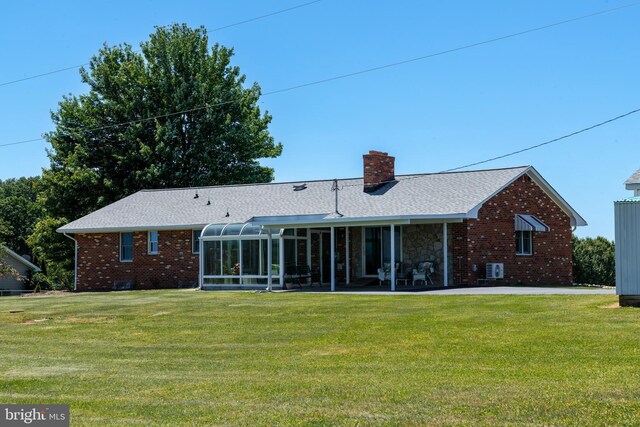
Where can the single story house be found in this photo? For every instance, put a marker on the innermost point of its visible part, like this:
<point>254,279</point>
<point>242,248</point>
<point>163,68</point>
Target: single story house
<point>15,285</point>
<point>500,225</point>
<point>627,235</point>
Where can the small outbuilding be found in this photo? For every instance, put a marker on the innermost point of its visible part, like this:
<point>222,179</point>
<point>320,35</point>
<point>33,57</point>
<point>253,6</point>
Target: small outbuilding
<point>10,285</point>
<point>627,235</point>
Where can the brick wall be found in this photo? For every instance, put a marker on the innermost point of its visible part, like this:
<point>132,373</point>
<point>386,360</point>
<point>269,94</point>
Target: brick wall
<point>491,238</point>
<point>99,262</point>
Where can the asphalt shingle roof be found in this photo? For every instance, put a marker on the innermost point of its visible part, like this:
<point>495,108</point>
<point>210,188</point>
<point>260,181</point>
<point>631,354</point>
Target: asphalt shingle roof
<point>441,194</point>
<point>633,179</point>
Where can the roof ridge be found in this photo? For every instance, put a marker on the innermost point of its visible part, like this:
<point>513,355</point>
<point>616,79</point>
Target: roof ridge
<point>148,190</point>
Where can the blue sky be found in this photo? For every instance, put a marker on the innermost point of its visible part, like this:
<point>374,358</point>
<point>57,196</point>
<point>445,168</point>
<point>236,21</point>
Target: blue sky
<point>432,115</point>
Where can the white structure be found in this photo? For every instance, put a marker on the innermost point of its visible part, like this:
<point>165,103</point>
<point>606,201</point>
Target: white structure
<point>10,285</point>
<point>627,238</point>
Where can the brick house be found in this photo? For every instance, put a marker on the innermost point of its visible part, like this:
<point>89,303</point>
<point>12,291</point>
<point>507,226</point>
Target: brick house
<point>504,226</point>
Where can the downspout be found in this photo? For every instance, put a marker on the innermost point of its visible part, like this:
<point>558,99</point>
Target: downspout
<point>75,267</point>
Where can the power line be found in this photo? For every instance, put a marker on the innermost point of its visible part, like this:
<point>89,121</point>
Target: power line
<point>532,147</point>
<point>235,24</point>
<point>457,49</point>
<point>347,75</point>
<point>265,16</point>
<point>22,142</point>
<point>513,153</point>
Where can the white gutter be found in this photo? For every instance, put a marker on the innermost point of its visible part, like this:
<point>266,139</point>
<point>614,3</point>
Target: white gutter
<point>381,220</point>
<point>65,230</point>
<point>75,267</point>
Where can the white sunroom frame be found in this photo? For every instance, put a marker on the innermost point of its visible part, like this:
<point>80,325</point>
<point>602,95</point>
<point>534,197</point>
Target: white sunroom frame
<point>280,225</point>
<point>266,234</point>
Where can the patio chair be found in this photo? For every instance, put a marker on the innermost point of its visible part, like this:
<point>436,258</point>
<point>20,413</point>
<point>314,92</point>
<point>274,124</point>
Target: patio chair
<point>423,273</point>
<point>384,274</point>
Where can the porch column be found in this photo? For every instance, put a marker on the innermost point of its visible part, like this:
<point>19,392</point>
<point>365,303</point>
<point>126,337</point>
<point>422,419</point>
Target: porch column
<point>393,257</point>
<point>445,251</point>
<point>240,259</point>
<point>201,262</point>
<point>348,261</point>
<point>269,259</point>
<point>281,253</point>
<point>309,248</point>
<point>333,258</point>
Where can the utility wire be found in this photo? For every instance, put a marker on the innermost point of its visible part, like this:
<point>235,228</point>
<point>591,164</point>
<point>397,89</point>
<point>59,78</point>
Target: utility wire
<point>532,147</point>
<point>265,16</point>
<point>22,142</point>
<point>457,49</point>
<point>513,153</point>
<point>235,24</point>
<point>344,76</point>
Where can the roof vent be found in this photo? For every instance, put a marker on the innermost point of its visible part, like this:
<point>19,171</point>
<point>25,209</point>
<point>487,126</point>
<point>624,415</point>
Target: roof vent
<point>196,196</point>
<point>300,187</point>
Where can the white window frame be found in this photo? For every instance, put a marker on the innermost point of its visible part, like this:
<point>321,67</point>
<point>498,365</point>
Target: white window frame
<point>132,246</point>
<point>150,251</point>
<point>195,242</point>
<point>520,239</point>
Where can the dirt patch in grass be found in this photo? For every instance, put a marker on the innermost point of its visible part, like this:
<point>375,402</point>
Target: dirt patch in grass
<point>614,305</point>
<point>46,294</point>
<point>41,371</point>
<point>34,321</point>
<point>101,319</point>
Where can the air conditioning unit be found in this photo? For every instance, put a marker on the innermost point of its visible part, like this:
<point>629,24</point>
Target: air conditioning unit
<point>495,270</point>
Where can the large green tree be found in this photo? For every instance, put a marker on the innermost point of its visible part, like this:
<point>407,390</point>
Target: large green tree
<point>218,137</point>
<point>175,113</point>
<point>5,269</point>
<point>19,212</point>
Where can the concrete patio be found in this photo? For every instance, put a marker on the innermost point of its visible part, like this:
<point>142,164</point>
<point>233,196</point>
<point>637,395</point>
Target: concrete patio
<point>485,290</point>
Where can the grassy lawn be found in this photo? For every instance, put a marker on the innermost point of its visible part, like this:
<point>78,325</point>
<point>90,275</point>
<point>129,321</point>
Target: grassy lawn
<point>222,358</point>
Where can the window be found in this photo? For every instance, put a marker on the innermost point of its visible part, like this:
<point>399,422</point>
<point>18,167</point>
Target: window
<point>523,243</point>
<point>195,241</point>
<point>126,247</point>
<point>153,242</point>
<point>377,248</point>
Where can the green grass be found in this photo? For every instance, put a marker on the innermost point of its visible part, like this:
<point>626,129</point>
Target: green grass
<point>221,358</point>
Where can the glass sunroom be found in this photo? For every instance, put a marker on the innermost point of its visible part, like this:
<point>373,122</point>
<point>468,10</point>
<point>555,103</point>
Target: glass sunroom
<point>237,254</point>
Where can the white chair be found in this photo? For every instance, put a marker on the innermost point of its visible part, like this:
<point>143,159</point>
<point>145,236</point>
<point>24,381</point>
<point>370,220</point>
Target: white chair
<point>383,275</point>
<point>423,273</point>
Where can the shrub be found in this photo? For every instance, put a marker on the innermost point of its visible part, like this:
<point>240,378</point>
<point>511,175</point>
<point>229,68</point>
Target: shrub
<point>594,261</point>
<point>38,281</point>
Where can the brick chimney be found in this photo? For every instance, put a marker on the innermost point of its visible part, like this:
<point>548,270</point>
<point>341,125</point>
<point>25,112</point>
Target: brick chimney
<point>379,168</point>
